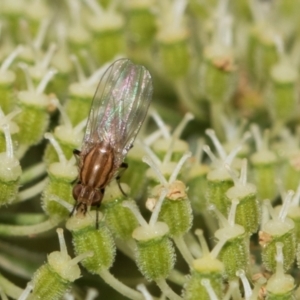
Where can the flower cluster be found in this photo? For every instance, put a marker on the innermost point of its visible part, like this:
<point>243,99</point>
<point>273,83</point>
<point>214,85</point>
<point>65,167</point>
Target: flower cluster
<point>209,207</point>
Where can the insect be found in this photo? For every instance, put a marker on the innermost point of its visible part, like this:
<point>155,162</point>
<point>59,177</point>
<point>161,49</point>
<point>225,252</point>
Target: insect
<point>118,110</point>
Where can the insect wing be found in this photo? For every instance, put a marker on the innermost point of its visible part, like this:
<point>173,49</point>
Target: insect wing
<point>119,106</point>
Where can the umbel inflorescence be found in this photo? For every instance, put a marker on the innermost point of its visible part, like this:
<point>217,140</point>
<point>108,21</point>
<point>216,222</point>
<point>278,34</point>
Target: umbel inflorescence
<point>209,205</point>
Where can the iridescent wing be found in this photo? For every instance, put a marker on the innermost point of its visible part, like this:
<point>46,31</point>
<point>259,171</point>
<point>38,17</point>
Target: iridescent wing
<point>119,107</point>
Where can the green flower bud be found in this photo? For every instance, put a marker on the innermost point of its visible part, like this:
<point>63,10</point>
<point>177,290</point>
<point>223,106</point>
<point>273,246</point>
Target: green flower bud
<point>262,51</point>
<point>197,184</point>
<point>68,139</point>
<point>219,75</point>
<point>136,173</point>
<point>12,126</point>
<point>10,172</point>
<point>79,102</point>
<point>218,183</point>
<point>62,63</point>
<point>7,81</point>
<point>280,286</point>
<point>294,215</point>
<point>13,11</point>
<point>248,210</point>
<point>264,167</point>
<point>155,255</point>
<point>292,172</point>
<point>208,268</point>
<point>175,55</point>
<point>141,22</point>
<point>284,98</point>
<point>264,170</point>
<point>79,38</point>
<point>107,27</point>
<point>235,252</point>
<point>7,100</point>
<point>35,12</point>
<point>176,209</point>
<point>87,238</point>
<point>119,219</point>
<point>61,177</point>
<point>34,117</point>
<point>278,231</point>
<point>54,278</point>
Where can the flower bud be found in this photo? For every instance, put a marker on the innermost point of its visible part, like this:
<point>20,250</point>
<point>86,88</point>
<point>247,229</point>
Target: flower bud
<point>53,279</point>
<point>87,238</point>
<point>119,219</point>
<point>155,255</point>
<point>280,229</point>
<point>60,184</point>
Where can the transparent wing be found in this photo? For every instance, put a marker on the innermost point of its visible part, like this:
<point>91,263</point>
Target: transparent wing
<point>119,106</point>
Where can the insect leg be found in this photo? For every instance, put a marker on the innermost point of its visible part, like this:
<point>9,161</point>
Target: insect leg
<point>76,152</point>
<point>123,166</point>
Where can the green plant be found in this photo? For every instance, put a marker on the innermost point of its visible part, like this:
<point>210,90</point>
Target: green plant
<point>226,77</point>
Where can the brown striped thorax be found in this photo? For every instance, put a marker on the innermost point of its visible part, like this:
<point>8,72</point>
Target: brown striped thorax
<point>118,110</point>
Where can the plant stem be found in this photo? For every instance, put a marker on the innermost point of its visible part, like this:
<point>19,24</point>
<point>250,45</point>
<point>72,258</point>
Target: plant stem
<point>33,172</point>
<point>31,191</point>
<point>9,288</point>
<point>166,290</point>
<point>12,230</point>
<point>182,247</point>
<point>119,286</point>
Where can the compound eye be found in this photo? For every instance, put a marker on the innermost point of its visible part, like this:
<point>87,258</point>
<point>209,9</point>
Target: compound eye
<point>77,190</point>
<point>97,197</point>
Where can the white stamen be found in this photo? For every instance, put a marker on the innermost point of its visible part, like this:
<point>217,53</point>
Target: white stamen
<point>148,160</point>
<point>45,62</point>
<point>246,284</point>
<point>26,292</point>
<point>231,216</point>
<point>136,213</point>
<point>211,133</point>
<point>62,243</point>
<point>78,67</point>
<point>178,167</point>
<point>9,60</point>
<point>160,123</point>
<point>8,141</point>
<point>286,204</point>
<point>65,117</point>
<point>156,211</point>
<point>45,80</point>
<point>28,79</point>
<point>209,289</point>
<point>37,44</point>
<point>61,156</point>
<point>62,202</point>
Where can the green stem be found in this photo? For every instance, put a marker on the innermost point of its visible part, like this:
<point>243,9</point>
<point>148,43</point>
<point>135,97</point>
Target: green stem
<point>184,250</point>
<point>33,172</point>
<point>14,230</point>
<point>31,191</point>
<point>166,290</point>
<point>9,288</point>
<point>119,286</point>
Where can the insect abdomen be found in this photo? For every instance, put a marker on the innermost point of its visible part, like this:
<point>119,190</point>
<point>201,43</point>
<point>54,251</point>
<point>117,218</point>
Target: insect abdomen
<point>98,166</point>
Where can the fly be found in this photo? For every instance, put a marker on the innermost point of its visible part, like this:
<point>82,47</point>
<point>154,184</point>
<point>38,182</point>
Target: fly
<point>118,110</point>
